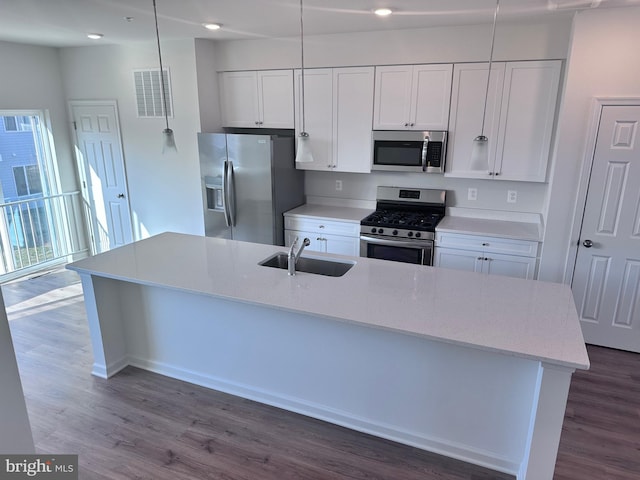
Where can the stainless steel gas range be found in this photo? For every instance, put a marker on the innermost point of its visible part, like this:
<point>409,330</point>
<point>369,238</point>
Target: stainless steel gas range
<point>403,226</point>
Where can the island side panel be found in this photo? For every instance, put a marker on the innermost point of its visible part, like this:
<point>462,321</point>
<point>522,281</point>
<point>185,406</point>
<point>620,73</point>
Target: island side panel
<point>546,423</point>
<point>461,402</point>
<point>104,315</point>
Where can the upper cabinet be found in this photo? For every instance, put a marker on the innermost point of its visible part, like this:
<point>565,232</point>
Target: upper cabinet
<point>412,97</point>
<point>519,118</point>
<point>262,99</point>
<point>338,115</point>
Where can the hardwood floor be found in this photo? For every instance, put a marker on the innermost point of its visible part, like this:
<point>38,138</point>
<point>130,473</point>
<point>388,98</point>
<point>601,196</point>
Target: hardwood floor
<point>145,426</point>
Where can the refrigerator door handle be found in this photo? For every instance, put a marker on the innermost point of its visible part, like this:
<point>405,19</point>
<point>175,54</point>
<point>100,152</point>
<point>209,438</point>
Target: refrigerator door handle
<point>231,201</point>
<point>225,192</point>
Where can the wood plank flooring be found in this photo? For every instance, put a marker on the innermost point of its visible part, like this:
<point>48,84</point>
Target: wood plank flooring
<point>140,425</point>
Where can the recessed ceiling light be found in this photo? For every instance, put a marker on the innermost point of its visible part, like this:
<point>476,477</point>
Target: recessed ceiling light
<point>212,26</point>
<point>383,12</point>
<point>95,36</point>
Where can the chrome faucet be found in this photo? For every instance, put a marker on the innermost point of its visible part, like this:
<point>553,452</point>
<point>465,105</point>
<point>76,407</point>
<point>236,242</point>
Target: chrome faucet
<point>293,257</point>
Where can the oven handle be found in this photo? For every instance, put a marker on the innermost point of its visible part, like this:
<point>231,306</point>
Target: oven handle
<point>398,243</point>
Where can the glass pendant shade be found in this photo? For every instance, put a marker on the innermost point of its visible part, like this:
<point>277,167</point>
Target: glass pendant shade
<point>303,151</point>
<point>168,141</point>
<point>480,153</point>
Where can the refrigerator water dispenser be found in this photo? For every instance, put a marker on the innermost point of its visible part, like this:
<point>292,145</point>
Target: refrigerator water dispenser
<point>215,197</point>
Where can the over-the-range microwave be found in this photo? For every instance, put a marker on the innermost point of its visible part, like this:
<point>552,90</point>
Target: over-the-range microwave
<point>409,151</point>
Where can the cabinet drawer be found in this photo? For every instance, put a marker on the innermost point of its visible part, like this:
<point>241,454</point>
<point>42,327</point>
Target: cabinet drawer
<point>319,225</point>
<point>505,246</point>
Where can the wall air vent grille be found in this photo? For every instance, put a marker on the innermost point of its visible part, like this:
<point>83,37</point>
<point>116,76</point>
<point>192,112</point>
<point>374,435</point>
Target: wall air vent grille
<point>149,94</point>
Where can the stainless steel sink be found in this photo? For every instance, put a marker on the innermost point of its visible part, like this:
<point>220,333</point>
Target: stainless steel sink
<point>318,266</point>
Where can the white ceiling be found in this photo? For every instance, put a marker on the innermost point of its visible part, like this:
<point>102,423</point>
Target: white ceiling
<point>64,23</point>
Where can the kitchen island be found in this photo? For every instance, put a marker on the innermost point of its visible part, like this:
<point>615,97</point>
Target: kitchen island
<point>463,364</point>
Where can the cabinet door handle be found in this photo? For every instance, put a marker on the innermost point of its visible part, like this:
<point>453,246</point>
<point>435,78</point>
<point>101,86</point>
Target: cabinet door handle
<point>497,173</point>
<point>479,258</point>
<point>485,244</point>
<point>320,226</point>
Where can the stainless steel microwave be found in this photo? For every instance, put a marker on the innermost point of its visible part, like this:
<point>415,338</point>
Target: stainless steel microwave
<point>409,151</point>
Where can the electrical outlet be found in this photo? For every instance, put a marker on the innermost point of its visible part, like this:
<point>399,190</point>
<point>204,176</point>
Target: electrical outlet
<point>512,196</point>
<point>472,194</point>
<point>338,185</point>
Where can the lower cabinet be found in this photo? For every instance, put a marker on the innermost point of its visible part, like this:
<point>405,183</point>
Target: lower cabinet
<point>491,255</point>
<point>342,238</point>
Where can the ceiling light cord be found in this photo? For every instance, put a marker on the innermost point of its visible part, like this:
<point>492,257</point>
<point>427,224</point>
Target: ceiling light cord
<point>303,150</point>
<point>493,38</point>
<point>162,90</point>
<point>302,65</point>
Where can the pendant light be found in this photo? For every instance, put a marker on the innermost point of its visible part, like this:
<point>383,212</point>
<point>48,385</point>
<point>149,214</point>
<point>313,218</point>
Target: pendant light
<point>480,150</point>
<point>168,141</point>
<point>303,151</point>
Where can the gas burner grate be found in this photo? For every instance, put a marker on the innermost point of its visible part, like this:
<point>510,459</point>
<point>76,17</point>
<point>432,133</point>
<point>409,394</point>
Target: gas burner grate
<point>414,220</point>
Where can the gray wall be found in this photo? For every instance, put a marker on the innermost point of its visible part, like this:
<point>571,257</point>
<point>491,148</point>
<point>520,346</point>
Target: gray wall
<point>15,431</point>
<point>519,41</point>
<point>603,62</point>
<point>164,190</point>
<point>32,79</point>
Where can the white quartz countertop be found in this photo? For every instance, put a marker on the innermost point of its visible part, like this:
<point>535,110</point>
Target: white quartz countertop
<point>328,212</point>
<point>525,318</point>
<point>491,228</point>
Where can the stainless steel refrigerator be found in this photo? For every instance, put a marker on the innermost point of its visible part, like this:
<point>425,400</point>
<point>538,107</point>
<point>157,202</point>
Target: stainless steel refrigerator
<point>248,182</point>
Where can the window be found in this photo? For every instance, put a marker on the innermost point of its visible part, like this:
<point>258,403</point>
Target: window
<point>17,124</point>
<point>27,178</point>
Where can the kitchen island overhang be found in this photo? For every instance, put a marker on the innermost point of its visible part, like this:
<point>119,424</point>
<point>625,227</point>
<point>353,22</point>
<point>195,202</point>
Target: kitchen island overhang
<point>462,364</point>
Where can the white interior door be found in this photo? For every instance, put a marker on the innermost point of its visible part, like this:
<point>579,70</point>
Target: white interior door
<point>101,162</point>
<point>606,282</point>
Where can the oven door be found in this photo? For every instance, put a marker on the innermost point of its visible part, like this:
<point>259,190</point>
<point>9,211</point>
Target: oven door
<point>419,252</point>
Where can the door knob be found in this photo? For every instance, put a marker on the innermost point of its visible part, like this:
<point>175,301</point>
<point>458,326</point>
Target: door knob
<point>587,243</point>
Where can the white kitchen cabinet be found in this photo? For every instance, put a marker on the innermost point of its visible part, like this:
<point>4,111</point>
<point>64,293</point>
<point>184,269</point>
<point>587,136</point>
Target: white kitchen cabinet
<point>328,236</point>
<point>257,99</point>
<point>491,255</point>
<point>338,117</point>
<point>412,97</point>
<point>519,118</point>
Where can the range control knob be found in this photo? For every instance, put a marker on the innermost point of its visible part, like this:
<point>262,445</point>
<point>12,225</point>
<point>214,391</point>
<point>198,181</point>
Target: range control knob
<point>395,232</point>
<point>418,234</point>
<point>410,234</point>
<point>374,230</point>
<point>380,230</point>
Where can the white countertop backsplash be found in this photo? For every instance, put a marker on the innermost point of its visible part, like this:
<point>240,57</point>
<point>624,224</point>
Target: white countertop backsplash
<point>530,319</point>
